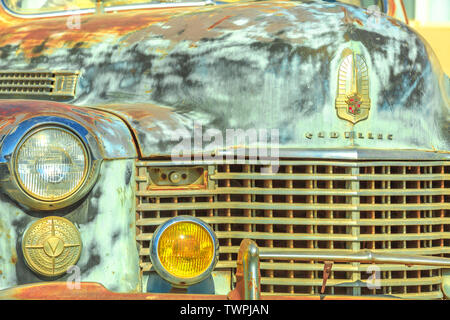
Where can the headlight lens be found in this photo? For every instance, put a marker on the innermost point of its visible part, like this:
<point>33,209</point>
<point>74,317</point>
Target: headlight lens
<point>51,164</point>
<point>186,250</point>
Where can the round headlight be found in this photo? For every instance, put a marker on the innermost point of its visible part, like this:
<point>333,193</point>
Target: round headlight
<point>184,250</point>
<point>51,164</point>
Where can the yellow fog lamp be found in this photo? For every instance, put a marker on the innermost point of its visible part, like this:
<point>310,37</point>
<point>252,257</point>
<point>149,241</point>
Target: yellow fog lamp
<point>184,250</point>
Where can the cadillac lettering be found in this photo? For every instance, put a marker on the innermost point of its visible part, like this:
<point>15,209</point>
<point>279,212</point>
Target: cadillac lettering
<point>349,135</point>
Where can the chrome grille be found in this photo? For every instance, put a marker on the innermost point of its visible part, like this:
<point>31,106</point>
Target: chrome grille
<point>385,206</point>
<point>57,84</point>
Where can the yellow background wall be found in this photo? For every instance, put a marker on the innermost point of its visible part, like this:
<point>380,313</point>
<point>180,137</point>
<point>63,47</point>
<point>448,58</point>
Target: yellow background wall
<point>438,36</point>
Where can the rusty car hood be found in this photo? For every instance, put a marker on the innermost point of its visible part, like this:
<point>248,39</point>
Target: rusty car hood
<point>262,65</point>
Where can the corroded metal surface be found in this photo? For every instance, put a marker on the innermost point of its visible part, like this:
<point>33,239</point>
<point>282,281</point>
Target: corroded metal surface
<point>90,291</point>
<point>110,133</point>
<point>248,265</point>
<point>248,276</point>
<point>95,291</point>
<point>106,222</point>
<point>276,63</point>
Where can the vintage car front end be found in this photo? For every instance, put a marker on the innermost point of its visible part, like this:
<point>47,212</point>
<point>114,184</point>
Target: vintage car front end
<point>261,150</point>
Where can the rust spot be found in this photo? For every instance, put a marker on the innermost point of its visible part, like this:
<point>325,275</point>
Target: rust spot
<point>14,259</point>
<point>393,22</point>
<point>90,291</point>
<point>349,19</point>
<point>1,272</point>
<point>219,22</point>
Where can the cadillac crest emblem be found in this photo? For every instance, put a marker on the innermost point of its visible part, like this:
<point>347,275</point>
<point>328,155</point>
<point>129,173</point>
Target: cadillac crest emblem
<point>353,102</point>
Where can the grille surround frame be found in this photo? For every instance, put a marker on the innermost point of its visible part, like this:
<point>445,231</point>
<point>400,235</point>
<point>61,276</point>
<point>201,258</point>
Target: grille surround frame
<point>349,276</point>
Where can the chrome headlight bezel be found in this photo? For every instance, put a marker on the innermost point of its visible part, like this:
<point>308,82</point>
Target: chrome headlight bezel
<point>159,268</point>
<point>15,164</point>
<point>10,181</point>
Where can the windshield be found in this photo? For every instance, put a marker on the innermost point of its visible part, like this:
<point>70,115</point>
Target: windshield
<point>46,6</point>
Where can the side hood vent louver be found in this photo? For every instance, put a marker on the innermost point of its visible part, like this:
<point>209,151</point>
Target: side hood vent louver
<point>53,85</point>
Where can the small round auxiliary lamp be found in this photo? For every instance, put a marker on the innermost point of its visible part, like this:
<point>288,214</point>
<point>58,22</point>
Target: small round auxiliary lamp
<point>184,251</point>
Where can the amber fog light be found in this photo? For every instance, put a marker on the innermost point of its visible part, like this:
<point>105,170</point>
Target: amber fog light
<point>184,250</point>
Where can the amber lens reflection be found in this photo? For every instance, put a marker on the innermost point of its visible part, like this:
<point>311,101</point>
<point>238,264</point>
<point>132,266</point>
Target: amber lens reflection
<point>185,249</point>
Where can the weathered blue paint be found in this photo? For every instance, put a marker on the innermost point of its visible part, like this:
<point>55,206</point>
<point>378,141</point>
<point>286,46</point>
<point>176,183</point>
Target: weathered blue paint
<point>106,221</point>
<point>254,65</point>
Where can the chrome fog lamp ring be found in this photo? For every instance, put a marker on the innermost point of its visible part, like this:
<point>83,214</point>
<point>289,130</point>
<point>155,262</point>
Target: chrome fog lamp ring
<point>183,249</point>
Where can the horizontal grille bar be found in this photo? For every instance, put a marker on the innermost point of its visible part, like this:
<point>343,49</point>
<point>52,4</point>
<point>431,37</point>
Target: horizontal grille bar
<point>318,267</point>
<point>328,177</point>
<point>286,251</point>
<point>31,86</point>
<point>435,295</point>
<point>308,222</point>
<point>346,283</point>
<point>343,164</point>
<point>283,206</point>
<point>299,192</point>
<point>321,237</point>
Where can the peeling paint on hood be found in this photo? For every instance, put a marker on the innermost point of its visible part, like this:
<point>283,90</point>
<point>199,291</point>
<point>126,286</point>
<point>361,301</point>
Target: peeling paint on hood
<point>262,65</point>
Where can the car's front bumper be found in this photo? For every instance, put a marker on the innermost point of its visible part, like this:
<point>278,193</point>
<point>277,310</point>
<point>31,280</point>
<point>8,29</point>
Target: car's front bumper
<point>248,280</point>
<point>95,291</point>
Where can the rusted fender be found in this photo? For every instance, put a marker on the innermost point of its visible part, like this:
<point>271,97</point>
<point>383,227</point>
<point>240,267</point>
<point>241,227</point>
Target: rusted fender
<point>110,132</point>
<point>89,291</point>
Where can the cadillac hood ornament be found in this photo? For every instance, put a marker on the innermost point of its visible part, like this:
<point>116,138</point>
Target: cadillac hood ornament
<point>353,102</point>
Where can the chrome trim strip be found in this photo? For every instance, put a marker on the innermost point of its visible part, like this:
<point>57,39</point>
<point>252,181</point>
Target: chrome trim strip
<point>304,153</point>
<point>337,163</point>
<point>12,139</point>
<point>248,265</point>
<point>46,15</point>
<point>157,6</point>
<point>365,256</point>
<point>345,154</point>
<point>105,9</point>
<point>295,191</point>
